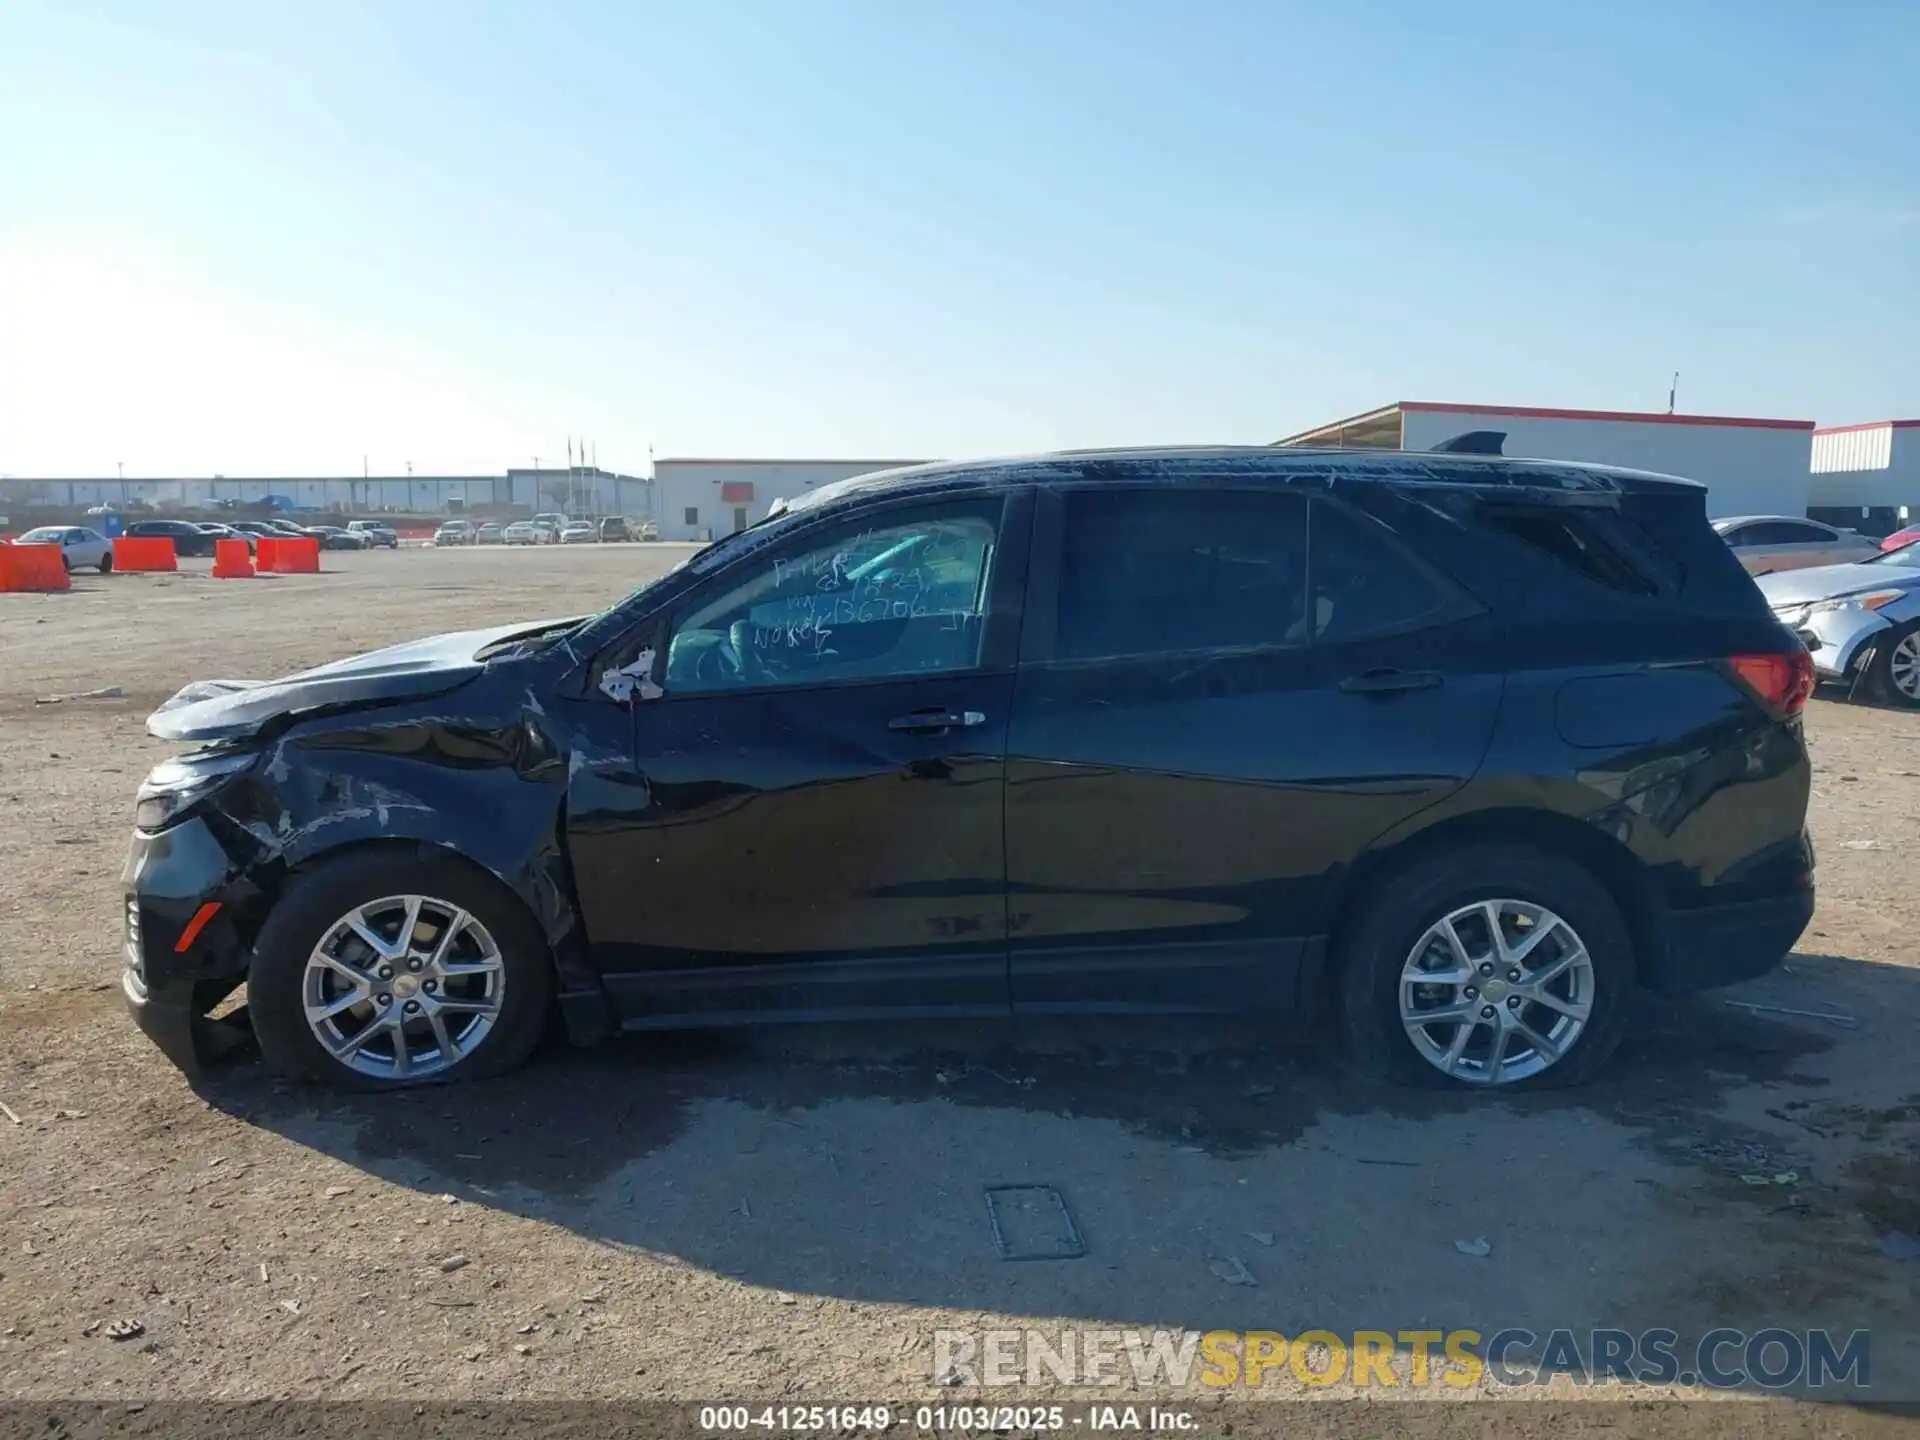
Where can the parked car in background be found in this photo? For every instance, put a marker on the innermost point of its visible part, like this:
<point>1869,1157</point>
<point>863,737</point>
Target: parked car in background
<point>288,528</point>
<point>259,529</point>
<point>1766,543</point>
<point>521,532</point>
<point>378,535</point>
<point>489,533</point>
<point>454,532</point>
<point>332,537</point>
<point>1901,537</point>
<point>614,527</point>
<point>547,527</point>
<point>188,538</point>
<point>80,547</point>
<point>1311,729</point>
<point>221,532</point>
<point>579,532</point>
<point>647,531</point>
<point>1861,622</point>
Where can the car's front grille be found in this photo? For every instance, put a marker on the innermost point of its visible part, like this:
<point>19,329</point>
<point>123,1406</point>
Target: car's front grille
<point>136,957</point>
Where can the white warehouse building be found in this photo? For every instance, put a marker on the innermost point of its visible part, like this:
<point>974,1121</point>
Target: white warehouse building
<point>1749,466</point>
<point>1867,476</point>
<point>699,499</point>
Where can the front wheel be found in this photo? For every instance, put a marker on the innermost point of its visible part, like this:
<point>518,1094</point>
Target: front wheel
<point>1488,967</point>
<point>374,973</point>
<point>1894,673</point>
<point>106,563</point>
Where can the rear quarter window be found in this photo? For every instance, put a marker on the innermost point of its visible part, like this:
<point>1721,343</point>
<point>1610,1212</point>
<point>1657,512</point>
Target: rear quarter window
<point>1603,547</point>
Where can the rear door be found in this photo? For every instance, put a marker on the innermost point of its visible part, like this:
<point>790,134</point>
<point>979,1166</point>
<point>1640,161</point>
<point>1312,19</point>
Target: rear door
<point>1223,696</point>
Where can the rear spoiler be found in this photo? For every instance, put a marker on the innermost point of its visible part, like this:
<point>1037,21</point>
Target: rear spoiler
<point>1474,442</point>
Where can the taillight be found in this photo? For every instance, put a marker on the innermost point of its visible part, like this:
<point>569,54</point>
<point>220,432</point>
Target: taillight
<point>1783,681</point>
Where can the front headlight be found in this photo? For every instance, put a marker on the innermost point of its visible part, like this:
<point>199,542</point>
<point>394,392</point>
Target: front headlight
<point>175,784</point>
<point>1872,600</point>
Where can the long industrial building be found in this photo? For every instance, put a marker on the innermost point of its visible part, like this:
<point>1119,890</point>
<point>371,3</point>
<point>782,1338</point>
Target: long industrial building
<point>1863,476</point>
<point>1750,466</point>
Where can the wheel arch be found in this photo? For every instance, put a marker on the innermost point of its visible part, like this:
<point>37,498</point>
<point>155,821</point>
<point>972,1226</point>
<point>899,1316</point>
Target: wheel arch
<point>583,1004</point>
<point>1604,857</point>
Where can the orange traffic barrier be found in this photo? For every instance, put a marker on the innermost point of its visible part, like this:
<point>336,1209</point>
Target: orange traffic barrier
<point>232,560</point>
<point>295,555</point>
<point>144,552</point>
<point>266,555</point>
<point>33,567</point>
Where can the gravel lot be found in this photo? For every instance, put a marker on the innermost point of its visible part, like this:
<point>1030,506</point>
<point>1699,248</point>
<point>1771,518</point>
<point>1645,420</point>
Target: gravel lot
<point>792,1215</point>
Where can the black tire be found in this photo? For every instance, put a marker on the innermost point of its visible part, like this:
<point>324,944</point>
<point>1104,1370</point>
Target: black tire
<point>315,900</point>
<point>106,563</point>
<point>1401,908</point>
<point>1880,680</point>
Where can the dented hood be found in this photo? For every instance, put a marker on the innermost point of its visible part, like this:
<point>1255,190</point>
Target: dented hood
<point>218,710</point>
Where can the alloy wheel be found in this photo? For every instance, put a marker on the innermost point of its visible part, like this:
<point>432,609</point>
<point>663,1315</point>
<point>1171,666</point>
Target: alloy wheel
<point>1496,992</point>
<point>1903,665</point>
<point>404,987</point>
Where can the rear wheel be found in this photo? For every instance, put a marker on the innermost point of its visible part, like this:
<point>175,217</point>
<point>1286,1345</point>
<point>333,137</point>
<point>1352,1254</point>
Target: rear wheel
<point>1895,669</point>
<point>1489,967</point>
<point>374,973</point>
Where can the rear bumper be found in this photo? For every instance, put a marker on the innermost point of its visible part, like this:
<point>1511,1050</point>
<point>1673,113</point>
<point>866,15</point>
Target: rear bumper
<point>1725,944</point>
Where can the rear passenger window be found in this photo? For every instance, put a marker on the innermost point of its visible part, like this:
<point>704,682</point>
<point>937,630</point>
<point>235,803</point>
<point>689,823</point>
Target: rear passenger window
<point>1363,585</point>
<point>1147,572</point>
<point>1785,532</point>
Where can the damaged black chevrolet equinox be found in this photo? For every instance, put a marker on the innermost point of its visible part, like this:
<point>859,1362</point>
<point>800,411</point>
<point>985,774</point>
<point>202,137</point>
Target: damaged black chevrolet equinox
<point>1453,749</point>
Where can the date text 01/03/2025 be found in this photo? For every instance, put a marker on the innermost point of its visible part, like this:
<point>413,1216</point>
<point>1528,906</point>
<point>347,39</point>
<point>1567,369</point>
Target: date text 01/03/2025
<point>877,1419</point>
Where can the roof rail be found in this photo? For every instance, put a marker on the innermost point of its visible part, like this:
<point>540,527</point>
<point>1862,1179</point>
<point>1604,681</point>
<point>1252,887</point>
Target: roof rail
<point>1474,442</point>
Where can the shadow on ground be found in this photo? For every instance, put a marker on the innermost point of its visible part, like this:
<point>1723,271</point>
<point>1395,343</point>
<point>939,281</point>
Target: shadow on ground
<point>1219,1179</point>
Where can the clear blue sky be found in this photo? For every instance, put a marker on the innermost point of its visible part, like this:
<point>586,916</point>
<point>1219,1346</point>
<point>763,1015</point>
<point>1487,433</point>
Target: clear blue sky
<point>253,237</point>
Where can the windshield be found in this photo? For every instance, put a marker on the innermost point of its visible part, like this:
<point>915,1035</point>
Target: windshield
<point>767,528</point>
<point>1906,556</point>
<point>45,535</point>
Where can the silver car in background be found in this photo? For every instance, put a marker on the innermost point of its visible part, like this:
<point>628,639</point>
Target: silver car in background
<point>1766,543</point>
<point>80,547</point>
<point>1862,622</point>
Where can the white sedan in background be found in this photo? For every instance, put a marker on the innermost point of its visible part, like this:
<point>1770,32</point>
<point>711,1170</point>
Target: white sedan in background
<point>1764,544</point>
<point>80,547</point>
<point>578,532</point>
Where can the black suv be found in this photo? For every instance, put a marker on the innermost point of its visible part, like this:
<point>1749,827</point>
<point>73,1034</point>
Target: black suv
<point>188,538</point>
<point>1456,749</point>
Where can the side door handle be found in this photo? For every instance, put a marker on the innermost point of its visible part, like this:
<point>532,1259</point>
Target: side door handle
<point>1388,681</point>
<point>927,722</point>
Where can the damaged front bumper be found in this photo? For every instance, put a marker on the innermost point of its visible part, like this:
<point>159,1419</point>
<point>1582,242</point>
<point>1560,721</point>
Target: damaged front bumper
<point>187,915</point>
<point>1835,635</point>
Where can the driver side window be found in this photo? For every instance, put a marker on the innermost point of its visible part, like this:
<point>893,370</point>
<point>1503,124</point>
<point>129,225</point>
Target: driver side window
<point>904,596</point>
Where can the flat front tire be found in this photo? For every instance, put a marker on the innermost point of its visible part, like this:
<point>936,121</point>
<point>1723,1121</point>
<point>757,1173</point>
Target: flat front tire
<point>1491,967</point>
<point>375,972</point>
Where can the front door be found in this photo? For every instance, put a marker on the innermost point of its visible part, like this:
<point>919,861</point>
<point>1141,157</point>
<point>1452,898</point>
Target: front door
<point>818,825</point>
<point>1208,729</point>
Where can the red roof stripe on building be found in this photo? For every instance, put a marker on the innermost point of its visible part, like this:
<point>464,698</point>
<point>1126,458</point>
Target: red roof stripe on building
<point>1869,425</point>
<point>1638,417</point>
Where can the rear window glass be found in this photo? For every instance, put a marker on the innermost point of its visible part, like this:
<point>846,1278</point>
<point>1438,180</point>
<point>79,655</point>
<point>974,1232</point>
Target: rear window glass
<point>1602,546</point>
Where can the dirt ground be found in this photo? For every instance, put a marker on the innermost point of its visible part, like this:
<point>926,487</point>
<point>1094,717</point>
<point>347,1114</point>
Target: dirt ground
<point>791,1216</point>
